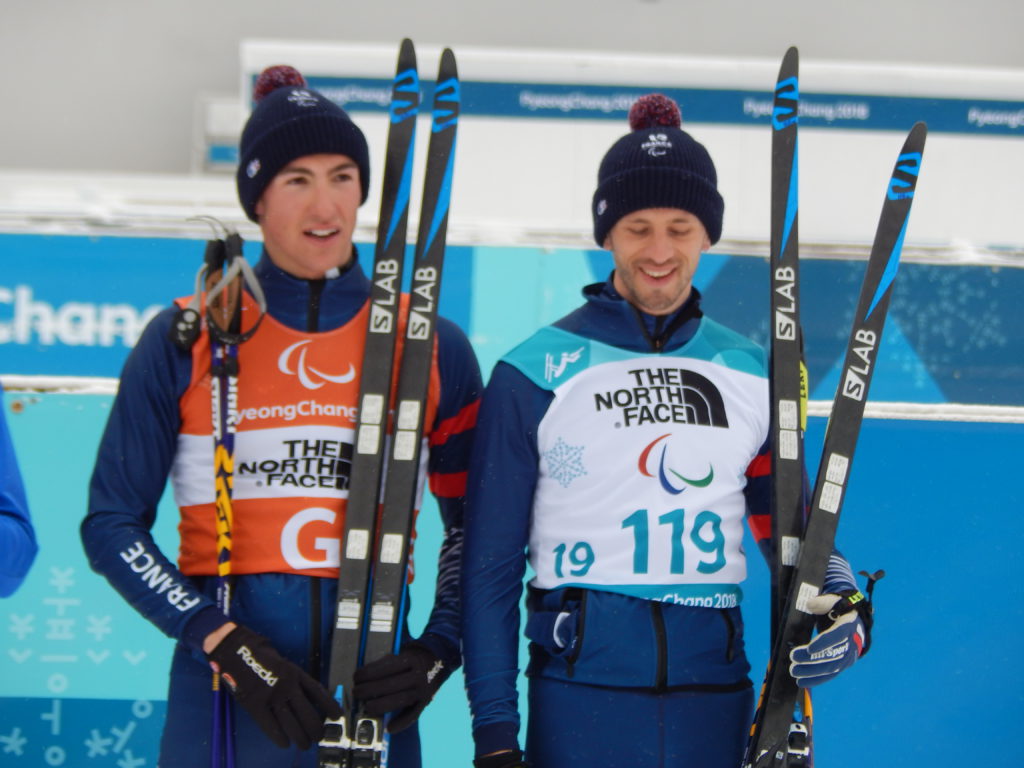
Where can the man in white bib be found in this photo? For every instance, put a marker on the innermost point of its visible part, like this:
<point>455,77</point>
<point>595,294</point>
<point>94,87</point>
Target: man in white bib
<point>619,452</point>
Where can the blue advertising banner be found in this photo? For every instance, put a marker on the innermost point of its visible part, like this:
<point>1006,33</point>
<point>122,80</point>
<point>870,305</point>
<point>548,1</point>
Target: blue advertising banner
<point>952,333</point>
<point>74,306</point>
<point>699,105</point>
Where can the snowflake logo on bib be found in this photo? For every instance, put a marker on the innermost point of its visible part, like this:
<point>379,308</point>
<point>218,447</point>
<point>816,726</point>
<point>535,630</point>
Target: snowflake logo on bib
<point>565,462</point>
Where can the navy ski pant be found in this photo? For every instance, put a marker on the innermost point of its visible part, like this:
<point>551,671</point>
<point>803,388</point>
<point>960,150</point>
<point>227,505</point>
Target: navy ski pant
<point>573,724</point>
<point>188,728</point>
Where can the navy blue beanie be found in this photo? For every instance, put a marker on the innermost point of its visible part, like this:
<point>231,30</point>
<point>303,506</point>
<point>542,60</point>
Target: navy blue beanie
<point>290,121</point>
<point>657,165</point>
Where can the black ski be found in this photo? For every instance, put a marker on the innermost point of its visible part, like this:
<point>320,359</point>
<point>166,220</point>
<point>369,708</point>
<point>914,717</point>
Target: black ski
<point>387,600</point>
<point>786,343</point>
<point>360,740</point>
<point>374,398</point>
<point>770,733</point>
<point>788,373</point>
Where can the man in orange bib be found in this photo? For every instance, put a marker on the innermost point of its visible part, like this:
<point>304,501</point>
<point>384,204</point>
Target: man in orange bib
<point>302,176</point>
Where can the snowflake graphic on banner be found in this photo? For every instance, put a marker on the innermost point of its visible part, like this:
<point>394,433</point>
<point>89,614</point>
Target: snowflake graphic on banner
<point>565,462</point>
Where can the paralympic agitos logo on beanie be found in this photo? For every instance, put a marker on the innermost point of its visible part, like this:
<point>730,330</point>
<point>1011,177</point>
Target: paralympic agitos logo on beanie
<point>303,98</point>
<point>657,144</point>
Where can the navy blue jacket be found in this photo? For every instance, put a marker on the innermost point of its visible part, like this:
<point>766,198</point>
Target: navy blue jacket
<point>137,451</point>
<point>17,538</point>
<point>606,639</point>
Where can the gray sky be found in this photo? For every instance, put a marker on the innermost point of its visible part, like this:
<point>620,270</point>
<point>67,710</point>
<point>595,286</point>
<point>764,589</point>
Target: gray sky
<point>111,85</point>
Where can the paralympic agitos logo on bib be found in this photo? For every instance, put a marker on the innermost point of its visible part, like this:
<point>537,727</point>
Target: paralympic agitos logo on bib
<point>654,462</point>
<point>664,396</point>
<point>308,376</point>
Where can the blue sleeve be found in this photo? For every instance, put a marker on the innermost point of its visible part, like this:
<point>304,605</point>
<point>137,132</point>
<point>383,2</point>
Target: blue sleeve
<point>502,478</point>
<point>132,466</point>
<point>17,538</point>
<point>451,441</point>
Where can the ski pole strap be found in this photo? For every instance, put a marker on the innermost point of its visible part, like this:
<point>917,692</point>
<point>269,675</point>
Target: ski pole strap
<point>849,600</point>
<point>223,275</point>
<point>855,600</point>
<point>872,578</point>
<point>187,323</point>
<point>222,301</point>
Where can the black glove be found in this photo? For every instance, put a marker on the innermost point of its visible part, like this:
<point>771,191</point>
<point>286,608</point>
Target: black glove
<point>287,704</point>
<point>510,759</point>
<point>403,683</point>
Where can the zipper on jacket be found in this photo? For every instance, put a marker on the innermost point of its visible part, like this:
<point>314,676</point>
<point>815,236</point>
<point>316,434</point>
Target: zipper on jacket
<point>662,333</point>
<point>730,627</point>
<point>654,344</point>
<point>315,645</point>
<point>570,660</point>
<point>658,619</point>
<point>316,289</point>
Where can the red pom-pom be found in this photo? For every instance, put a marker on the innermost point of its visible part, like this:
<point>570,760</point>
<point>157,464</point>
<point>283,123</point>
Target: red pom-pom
<point>279,76</point>
<point>653,110</point>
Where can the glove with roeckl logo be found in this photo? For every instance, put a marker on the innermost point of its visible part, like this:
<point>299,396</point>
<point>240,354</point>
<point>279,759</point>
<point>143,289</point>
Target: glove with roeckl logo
<point>287,704</point>
<point>401,683</point>
<point>843,637</point>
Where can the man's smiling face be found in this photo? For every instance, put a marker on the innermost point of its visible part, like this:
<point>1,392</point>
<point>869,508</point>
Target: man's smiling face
<point>656,252</point>
<point>308,214</point>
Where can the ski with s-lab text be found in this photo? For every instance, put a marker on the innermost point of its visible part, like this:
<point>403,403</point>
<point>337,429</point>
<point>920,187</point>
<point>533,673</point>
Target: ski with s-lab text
<point>788,375</point>
<point>384,608</point>
<point>374,397</point>
<point>786,342</point>
<point>768,745</point>
<point>389,589</point>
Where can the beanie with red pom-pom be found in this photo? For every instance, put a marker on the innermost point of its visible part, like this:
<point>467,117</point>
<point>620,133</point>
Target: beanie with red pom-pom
<point>657,165</point>
<point>291,120</point>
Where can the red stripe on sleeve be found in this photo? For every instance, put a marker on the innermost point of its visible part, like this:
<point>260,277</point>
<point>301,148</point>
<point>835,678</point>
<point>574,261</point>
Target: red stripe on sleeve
<point>460,422</point>
<point>449,485</point>
<point>760,526</point>
<point>761,466</point>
